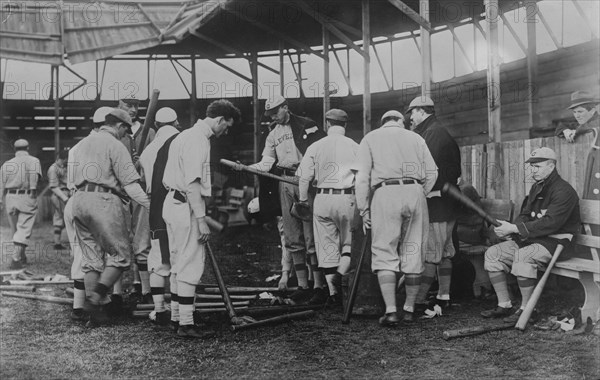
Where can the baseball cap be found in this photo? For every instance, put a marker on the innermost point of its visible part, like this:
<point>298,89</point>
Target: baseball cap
<point>121,115</point>
<point>336,114</point>
<point>541,154</point>
<point>582,97</point>
<point>165,115</point>
<point>131,101</point>
<point>21,143</point>
<point>254,206</point>
<point>100,114</point>
<point>392,113</point>
<point>272,105</point>
<point>420,101</point>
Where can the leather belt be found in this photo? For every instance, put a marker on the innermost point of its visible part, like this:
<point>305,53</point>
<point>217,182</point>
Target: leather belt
<point>19,191</point>
<point>286,172</point>
<point>96,188</point>
<point>390,182</point>
<point>334,191</point>
<point>179,196</point>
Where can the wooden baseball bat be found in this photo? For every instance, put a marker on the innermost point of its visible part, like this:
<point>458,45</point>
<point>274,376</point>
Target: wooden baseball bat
<point>51,299</point>
<point>247,290</point>
<point>213,224</point>
<point>471,331</point>
<point>248,169</point>
<point>454,193</point>
<point>40,282</point>
<point>199,305</point>
<point>149,121</point>
<point>18,288</point>
<point>537,292</point>
<point>354,289</point>
<point>278,319</point>
<point>221,282</point>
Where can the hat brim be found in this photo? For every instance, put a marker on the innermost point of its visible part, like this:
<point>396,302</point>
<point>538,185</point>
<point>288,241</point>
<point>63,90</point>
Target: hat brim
<point>534,160</point>
<point>272,111</point>
<point>584,101</point>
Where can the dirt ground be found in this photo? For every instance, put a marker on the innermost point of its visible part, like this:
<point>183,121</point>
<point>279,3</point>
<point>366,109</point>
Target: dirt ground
<point>38,340</point>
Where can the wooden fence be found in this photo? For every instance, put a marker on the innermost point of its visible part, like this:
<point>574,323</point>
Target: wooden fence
<point>498,170</point>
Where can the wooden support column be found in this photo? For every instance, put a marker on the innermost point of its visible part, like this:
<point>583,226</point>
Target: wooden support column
<point>492,18</point>
<point>531,10</point>
<point>194,94</point>
<point>281,78</point>
<point>56,110</point>
<point>425,50</point>
<point>255,108</point>
<point>366,32</point>
<point>326,100</point>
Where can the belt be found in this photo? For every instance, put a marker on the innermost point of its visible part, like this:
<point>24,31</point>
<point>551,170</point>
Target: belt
<point>19,191</point>
<point>287,172</point>
<point>335,191</point>
<point>96,188</point>
<point>389,182</point>
<point>179,195</point>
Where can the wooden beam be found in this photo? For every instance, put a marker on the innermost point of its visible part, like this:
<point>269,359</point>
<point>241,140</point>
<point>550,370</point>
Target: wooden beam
<point>387,82</point>
<point>56,112</point>
<point>583,16</point>
<point>346,76</point>
<point>425,50</point>
<point>366,32</point>
<point>296,73</point>
<point>180,78</point>
<point>213,60</point>
<point>326,100</point>
<point>514,33</point>
<point>281,77</point>
<point>461,47</point>
<point>194,95</point>
<point>476,19</point>
<point>493,70</point>
<point>416,17</point>
<point>531,10</point>
<point>549,29</point>
<point>414,38</point>
<point>255,109</point>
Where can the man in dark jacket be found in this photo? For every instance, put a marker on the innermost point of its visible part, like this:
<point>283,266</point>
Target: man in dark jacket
<point>549,216</point>
<point>285,146</point>
<point>442,210</point>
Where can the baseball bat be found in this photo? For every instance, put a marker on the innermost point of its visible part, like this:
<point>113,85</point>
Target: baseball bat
<point>471,331</point>
<point>354,289</point>
<point>213,224</point>
<point>537,292</point>
<point>221,282</point>
<point>278,319</point>
<point>149,121</point>
<point>248,169</point>
<point>18,288</point>
<point>247,290</point>
<point>454,193</point>
<point>198,305</point>
<point>51,299</point>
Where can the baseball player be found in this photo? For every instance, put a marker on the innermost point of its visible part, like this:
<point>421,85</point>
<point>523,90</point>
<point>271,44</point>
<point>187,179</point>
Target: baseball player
<point>285,145</point>
<point>153,160</point>
<point>329,161</point>
<point>19,177</point>
<point>187,177</point>
<point>442,210</point>
<point>57,179</point>
<point>392,116</point>
<point>77,274</point>
<point>395,171</point>
<point>103,173</point>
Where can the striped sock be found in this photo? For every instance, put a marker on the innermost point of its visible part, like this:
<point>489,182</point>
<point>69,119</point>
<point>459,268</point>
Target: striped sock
<point>387,284</point>
<point>444,272</point>
<point>498,280</point>
<point>144,277</point>
<point>78,294</point>
<point>412,284</point>
<point>427,278</point>
<point>186,311</point>
<point>302,275</point>
<point>158,296</point>
<point>526,285</point>
<point>174,298</point>
<point>331,275</point>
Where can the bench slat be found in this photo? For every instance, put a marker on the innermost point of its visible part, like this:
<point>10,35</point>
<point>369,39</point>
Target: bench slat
<point>579,265</point>
<point>590,211</point>
<point>588,241</point>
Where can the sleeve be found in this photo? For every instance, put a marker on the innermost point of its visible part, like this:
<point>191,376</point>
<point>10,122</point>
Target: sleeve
<point>196,163</point>
<point>429,167</point>
<point>35,173</point>
<point>306,172</point>
<point>363,176</point>
<point>269,150</point>
<point>52,177</point>
<point>561,128</point>
<point>122,165</point>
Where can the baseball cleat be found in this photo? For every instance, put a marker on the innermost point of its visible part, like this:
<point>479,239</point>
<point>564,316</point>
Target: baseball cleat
<point>189,331</point>
<point>498,312</point>
<point>389,320</point>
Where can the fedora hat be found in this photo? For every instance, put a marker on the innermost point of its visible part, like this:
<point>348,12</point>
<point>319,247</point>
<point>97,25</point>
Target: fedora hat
<point>582,97</point>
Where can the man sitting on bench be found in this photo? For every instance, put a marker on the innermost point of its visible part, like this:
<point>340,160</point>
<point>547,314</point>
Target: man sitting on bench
<point>549,216</point>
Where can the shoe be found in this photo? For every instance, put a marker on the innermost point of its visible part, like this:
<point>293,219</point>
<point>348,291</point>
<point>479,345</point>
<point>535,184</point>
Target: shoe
<point>444,304</point>
<point>420,308</point>
<point>115,307</point>
<point>389,320</point>
<point>498,312</point>
<point>135,297</point>
<point>162,318</point>
<point>59,247</point>
<point>512,319</point>
<point>175,326</point>
<point>189,331</point>
<point>334,301</point>
<point>319,297</point>
<point>147,299</point>
<point>77,315</point>
<point>408,317</point>
<point>16,264</point>
<point>97,313</point>
<point>301,295</point>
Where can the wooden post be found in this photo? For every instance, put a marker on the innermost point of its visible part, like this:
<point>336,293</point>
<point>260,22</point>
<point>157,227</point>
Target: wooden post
<point>194,93</point>
<point>326,101</point>
<point>531,10</point>
<point>256,109</point>
<point>425,50</point>
<point>492,18</point>
<point>366,34</point>
<point>281,78</point>
<point>56,111</point>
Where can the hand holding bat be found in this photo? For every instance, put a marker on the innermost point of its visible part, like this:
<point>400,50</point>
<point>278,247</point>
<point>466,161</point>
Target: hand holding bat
<point>455,194</point>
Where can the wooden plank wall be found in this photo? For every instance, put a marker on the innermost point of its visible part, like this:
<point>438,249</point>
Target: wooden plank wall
<point>498,170</point>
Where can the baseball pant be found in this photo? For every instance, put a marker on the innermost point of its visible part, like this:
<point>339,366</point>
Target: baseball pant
<point>140,225</point>
<point>76,271</point>
<point>333,218</point>
<point>187,253</point>
<point>399,222</point>
<point>509,258</point>
<point>21,210</point>
<point>439,243</point>
<point>286,258</point>
<point>101,228</point>
<point>298,234</point>
<point>155,264</point>
<point>58,208</point>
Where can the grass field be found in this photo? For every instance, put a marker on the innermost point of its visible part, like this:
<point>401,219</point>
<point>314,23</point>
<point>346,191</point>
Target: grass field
<point>38,341</point>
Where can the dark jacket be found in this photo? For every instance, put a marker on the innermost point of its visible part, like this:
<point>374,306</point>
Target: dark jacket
<point>587,127</point>
<point>446,155</point>
<point>305,131</point>
<point>552,207</point>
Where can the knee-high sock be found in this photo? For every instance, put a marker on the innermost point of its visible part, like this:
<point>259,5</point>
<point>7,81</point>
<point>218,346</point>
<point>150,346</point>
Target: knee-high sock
<point>300,267</point>
<point>412,285</point>
<point>526,285</point>
<point>427,278</point>
<point>498,280</point>
<point>157,288</point>
<point>444,272</point>
<point>78,294</point>
<point>136,278</point>
<point>344,264</point>
<point>57,233</point>
<point>90,280</point>
<point>118,286</point>
<point>144,277</point>
<point>186,293</point>
<point>387,284</point>
<point>174,298</point>
<point>318,277</point>
<point>19,251</point>
<point>334,280</point>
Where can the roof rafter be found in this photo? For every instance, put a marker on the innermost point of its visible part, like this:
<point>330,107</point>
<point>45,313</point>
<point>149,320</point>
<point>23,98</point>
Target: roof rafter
<point>411,14</point>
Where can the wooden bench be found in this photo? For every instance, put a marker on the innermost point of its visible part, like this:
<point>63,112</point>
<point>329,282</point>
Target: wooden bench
<point>502,210</point>
<point>586,269</point>
<point>232,210</point>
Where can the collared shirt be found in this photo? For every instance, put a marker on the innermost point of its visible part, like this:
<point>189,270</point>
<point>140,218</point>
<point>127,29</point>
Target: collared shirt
<point>21,172</point>
<point>280,146</point>
<point>392,152</point>
<point>57,176</point>
<point>330,161</point>
<point>148,156</point>
<point>103,160</point>
<point>189,159</point>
